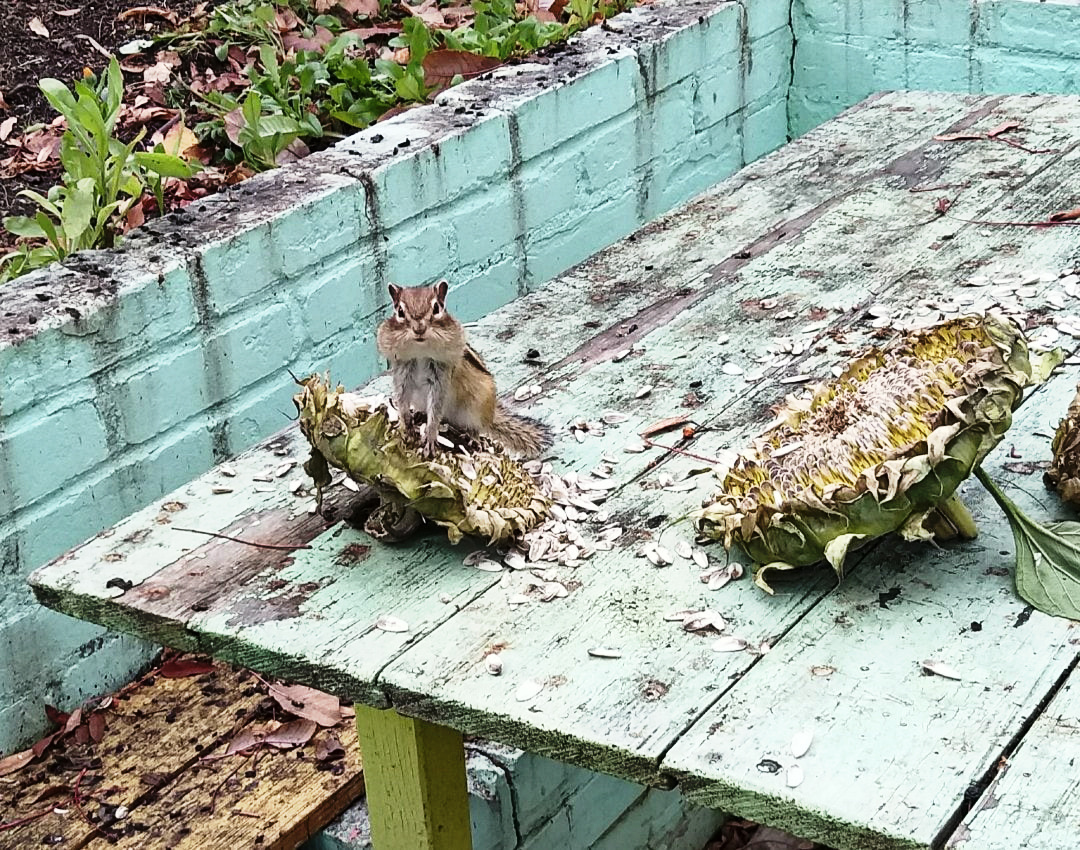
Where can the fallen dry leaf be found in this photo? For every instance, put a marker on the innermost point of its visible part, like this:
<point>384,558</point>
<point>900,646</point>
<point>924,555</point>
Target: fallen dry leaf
<point>308,703</point>
<point>243,741</point>
<point>16,761</point>
<point>159,72</point>
<point>96,724</point>
<point>6,126</point>
<point>428,12</point>
<point>959,137</point>
<point>1064,215</point>
<point>180,668</point>
<point>295,41</point>
<point>361,7</point>
<point>295,733</point>
<point>329,748</point>
<point>149,11</point>
<point>37,27</point>
<point>179,141</point>
<point>441,66</point>
<point>664,425</point>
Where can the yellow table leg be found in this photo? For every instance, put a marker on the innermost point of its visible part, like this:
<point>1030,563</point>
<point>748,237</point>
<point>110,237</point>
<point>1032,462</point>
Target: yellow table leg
<point>414,773</point>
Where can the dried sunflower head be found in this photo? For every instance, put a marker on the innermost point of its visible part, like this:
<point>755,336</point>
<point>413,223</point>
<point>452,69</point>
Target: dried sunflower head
<point>483,493</point>
<point>881,448</point>
<point>1064,472</point>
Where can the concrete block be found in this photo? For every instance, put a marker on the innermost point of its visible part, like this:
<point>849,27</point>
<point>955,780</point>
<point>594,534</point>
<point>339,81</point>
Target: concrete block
<point>486,289</point>
<point>485,224</point>
<point>328,224</point>
<point>661,820</point>
<point>1003,70</point>
<point>769,71</point>
<point>263,409</point>
<point>1026,27</point>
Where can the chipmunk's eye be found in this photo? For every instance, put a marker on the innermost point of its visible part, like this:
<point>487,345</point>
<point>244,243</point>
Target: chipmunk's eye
<point>401,313</point>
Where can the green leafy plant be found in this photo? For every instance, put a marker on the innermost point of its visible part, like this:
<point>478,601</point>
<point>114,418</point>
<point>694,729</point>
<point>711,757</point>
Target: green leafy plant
<point>102,177</point>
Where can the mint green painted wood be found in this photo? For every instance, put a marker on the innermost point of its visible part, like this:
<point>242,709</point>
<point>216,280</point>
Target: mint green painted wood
<point>830,230</point>
<point>1033,802</point>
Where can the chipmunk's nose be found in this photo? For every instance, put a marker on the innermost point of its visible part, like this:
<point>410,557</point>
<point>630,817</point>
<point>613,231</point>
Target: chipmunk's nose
<point>419,329</point>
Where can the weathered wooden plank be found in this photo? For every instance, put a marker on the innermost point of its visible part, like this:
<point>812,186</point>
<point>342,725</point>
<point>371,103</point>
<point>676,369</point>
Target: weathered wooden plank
<point>894,749</point>
<point>416,787</point>
<point>1033,800</point>
<point>151,761</point>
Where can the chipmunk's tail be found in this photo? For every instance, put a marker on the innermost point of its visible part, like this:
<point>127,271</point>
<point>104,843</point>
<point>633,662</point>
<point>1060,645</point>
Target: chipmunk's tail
<point>520,434</point>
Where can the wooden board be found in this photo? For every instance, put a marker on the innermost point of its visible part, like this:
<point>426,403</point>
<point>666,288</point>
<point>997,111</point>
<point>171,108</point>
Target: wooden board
<point>1033,801</point>
<point>153,760</point>
<point>813,246</point>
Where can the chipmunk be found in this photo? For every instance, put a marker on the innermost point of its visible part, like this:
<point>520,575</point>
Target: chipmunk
<point>436,371</point>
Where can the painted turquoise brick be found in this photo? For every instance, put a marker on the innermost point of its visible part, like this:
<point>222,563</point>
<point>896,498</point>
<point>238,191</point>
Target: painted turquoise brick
<point>1001,70</point>
<point>323,226</point>
<point>263,409</point>
<point>692,50</point>
<point>241,354</point>
<point>352,362</point>
<point>717,152</point>
<point>766,16</point>
<point>942,23</point>
<point>155,303</point>
<point>235,269</point>
<point>833,72</point>
<point>340,292</point>
<point>549,186</point>
<point>764,130</point>
<point>46,449</point>
<point>565,111</point>
<point>770,69</point>
<point>158,393</point>
<point>438,174</point>
<point>875,18</point>
<point>486,290</point>
<point>585,816</point>
<point>661,820</point>
<point>421,249</point>
<point>718,93</point>
<point>607,158</point>
<point>668,123</point>
<point>29,373</point>
<point>1027,27</point>
<point>933,69</point>
<point>485,224</point>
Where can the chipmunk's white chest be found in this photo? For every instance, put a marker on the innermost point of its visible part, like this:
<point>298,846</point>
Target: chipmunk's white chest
<point>420,380</point>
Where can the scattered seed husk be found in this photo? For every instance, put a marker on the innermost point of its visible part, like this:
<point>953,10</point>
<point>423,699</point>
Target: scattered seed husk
<point>680,616</point>
<point>614,417</point>
<point>729,643</point>
<point>730,368</point>
<point>682,486</point>
<point>227,471</point>
<point>604,652</point>
<point>515,561</point>
<point>822,671</point>
<point>528,690</point>
<point>493,664</point>
<point>643,391</point>
<point>635,447</point>
<point>800,742</point>
<point>940,668</point>
<point>486,565</point>
<point>389,623</point>
<point>518,599</point>
<point>684,550</point>
<point>349,484</point>
<point>665,556</point>
<point>794,776</point>
<point>701,558</point>
<point>701,620</point>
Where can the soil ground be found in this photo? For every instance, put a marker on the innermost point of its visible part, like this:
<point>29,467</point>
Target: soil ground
<point>26,56</point>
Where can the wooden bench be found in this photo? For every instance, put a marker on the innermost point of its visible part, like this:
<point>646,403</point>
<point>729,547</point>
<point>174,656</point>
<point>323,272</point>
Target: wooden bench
<point>783,271</point>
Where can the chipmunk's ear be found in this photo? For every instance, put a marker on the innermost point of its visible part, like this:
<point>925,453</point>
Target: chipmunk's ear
<point>440,292</point>
<point>395,293</point>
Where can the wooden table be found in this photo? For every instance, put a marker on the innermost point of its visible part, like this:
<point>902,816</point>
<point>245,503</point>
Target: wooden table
<point>809,253</point>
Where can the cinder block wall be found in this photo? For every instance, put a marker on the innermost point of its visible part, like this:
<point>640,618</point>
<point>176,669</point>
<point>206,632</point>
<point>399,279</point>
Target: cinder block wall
<point>848,49</point>
<point>124,374</point>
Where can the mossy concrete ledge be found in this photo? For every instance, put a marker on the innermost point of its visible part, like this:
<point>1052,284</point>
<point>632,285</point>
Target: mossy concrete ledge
<point>125,373</point>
